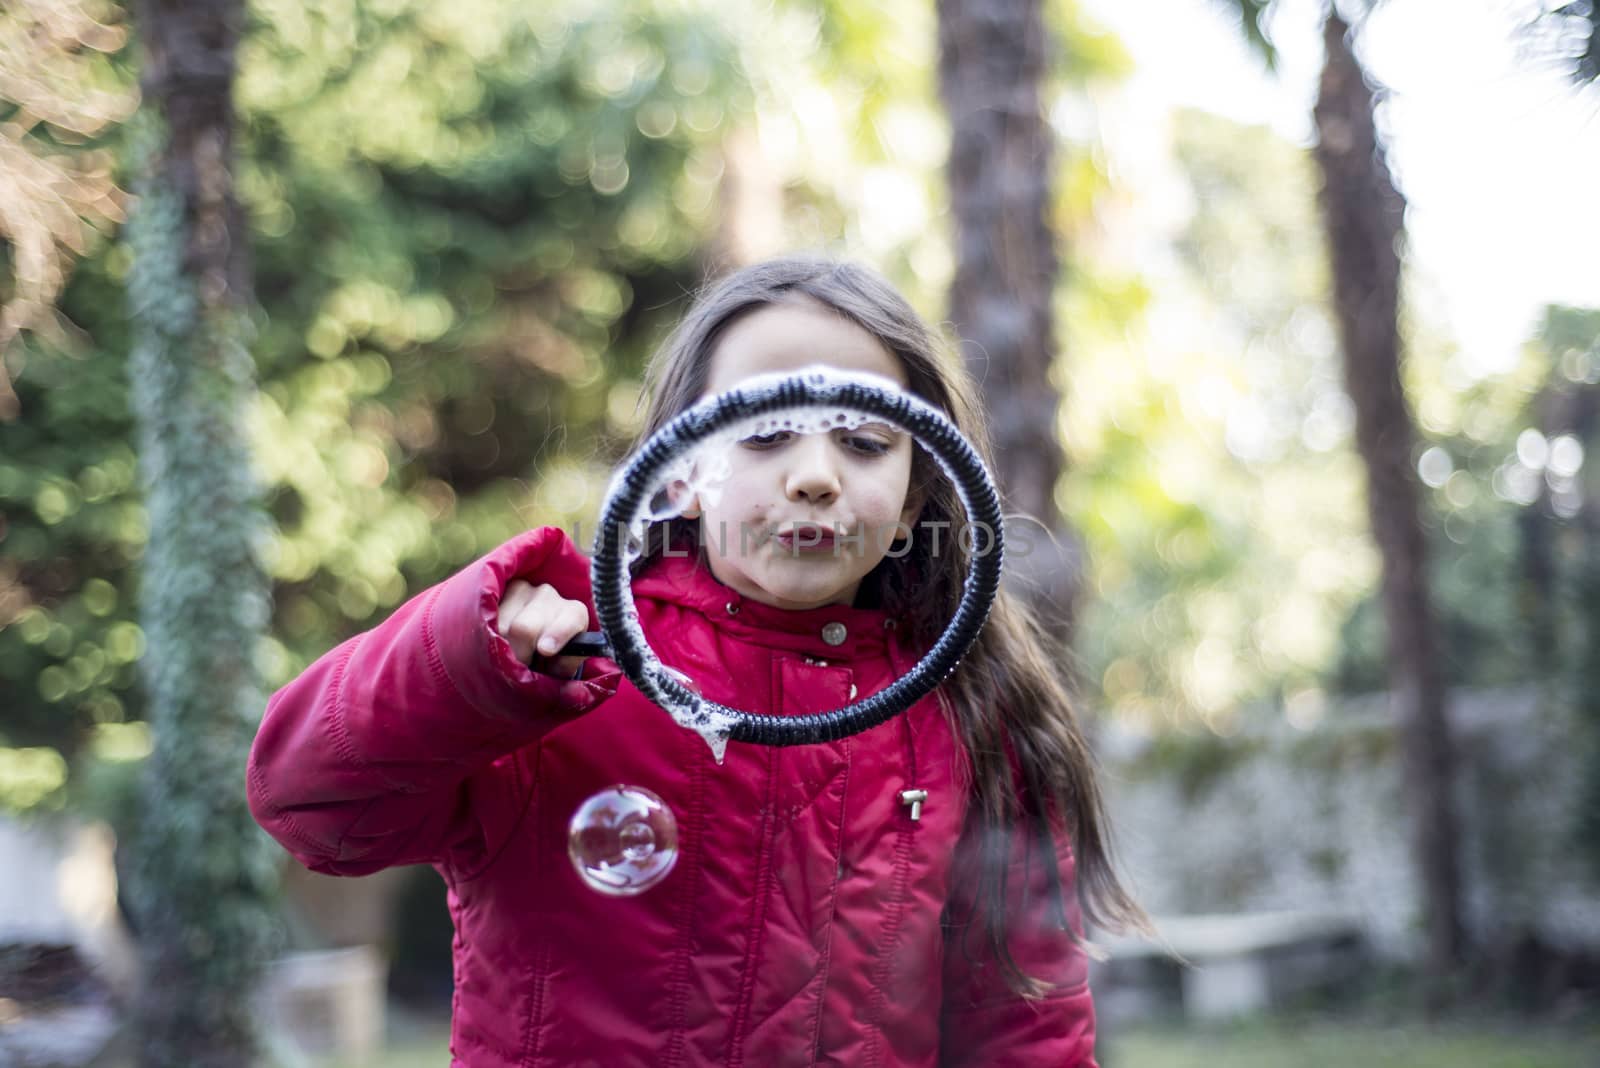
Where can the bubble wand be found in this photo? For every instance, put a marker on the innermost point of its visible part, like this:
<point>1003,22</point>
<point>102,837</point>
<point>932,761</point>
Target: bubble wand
<point>765,404</point>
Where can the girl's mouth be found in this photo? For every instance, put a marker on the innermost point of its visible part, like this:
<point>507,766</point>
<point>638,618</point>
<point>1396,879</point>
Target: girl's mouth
<point>805,539</point>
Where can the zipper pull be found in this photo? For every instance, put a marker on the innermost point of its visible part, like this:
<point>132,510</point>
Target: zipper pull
<point>914,799</point>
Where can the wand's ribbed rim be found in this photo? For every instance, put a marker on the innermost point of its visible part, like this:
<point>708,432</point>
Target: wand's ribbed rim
<point>613,599</point>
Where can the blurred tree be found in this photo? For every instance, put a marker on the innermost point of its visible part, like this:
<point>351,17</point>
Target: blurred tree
<point>992,69</point>
<point>1363,215</point>
<point>202,872</point>
<point>1363,222</point>
<point>1212,477</point>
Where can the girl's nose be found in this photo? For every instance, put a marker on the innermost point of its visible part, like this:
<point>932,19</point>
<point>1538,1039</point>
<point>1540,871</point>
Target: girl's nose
<point>812,474</point>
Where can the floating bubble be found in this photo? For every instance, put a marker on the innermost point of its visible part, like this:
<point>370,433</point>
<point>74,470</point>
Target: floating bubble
<point>623,840</point>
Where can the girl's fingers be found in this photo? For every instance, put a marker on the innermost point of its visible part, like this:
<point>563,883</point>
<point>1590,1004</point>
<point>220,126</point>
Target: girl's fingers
<point>538,621</point>
<point>553,615</point>
<point>516,597</point>
<point>572,620</point>
<point>510,619</point>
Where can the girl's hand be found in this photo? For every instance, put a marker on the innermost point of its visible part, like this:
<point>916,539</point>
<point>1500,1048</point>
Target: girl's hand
<point>538,621</point>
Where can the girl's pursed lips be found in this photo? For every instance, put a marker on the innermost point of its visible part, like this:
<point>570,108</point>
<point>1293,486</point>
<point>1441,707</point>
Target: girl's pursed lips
<point>805,536</point>
<point>810,530</point>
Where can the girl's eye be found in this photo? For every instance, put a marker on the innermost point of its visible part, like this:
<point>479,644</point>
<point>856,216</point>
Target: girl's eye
<point>765,441</point>
<point>867,446</point>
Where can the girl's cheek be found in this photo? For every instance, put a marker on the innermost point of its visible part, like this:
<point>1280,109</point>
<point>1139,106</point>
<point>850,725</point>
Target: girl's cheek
<point>885,504</point>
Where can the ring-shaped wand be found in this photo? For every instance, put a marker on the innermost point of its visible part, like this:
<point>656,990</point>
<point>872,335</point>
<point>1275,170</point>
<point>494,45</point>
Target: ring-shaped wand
<point>623,521</point>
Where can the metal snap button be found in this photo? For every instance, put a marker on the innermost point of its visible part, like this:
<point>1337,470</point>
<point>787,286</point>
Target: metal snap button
<point>834,633</point>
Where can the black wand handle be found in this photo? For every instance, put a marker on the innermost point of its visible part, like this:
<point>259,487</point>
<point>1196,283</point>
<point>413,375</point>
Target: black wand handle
<point>589,643</point>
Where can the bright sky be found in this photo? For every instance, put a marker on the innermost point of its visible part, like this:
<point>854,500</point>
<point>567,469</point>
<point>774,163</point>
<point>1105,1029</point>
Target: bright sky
<point>1498,160</point>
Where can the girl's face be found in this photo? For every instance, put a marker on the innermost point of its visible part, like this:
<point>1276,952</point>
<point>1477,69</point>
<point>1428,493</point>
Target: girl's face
<point>804,517</point>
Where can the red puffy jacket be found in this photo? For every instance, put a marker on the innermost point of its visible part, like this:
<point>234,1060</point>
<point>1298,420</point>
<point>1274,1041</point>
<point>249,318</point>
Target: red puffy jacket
<point>802,922</point>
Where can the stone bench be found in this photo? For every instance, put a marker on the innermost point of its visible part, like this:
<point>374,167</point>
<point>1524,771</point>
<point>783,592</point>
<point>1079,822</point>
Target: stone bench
<point>1217,967</point>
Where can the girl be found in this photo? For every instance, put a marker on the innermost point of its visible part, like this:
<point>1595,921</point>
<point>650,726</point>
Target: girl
<point>907,896</point>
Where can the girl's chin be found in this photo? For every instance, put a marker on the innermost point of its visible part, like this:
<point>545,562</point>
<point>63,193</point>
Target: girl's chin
<point>798,596</point>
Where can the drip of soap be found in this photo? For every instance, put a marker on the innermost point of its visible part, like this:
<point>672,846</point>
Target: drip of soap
<point>715,734</point>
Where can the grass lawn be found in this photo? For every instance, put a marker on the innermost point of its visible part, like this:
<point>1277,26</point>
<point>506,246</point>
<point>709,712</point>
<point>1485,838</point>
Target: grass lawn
<point>1258,1044</point>
<point>1288,1044</point>
<point>414,1053</point>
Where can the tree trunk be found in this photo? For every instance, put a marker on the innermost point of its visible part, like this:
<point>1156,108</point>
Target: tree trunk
<point>201,872</point>
<point>992,62</point>
<point>1363,216</point>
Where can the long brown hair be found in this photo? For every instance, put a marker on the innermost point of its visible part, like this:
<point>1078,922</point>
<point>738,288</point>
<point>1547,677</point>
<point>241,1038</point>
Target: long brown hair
<point>1007,700</point>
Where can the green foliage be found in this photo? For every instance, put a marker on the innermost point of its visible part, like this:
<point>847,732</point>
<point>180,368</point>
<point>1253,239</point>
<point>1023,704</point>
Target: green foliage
<point>470,222</point>
<point>1214,483</point>
<point>1503,513</point>
<point>1273,1043</point>
<point>474,225</point>
<point>1218,491</point>
<point>71,523</point>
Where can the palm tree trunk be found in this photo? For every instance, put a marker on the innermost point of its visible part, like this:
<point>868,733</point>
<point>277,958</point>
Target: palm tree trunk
<point>1362,214</point>
<point>201,872</point>
<point>992,61</point>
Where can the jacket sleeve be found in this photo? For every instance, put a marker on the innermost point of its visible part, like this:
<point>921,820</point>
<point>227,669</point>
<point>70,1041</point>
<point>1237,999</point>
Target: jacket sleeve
<point>378,753</point>
<point>984,1022</point>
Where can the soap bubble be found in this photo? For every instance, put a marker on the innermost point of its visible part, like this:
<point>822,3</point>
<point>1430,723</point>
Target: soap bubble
<point>623,840</point>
